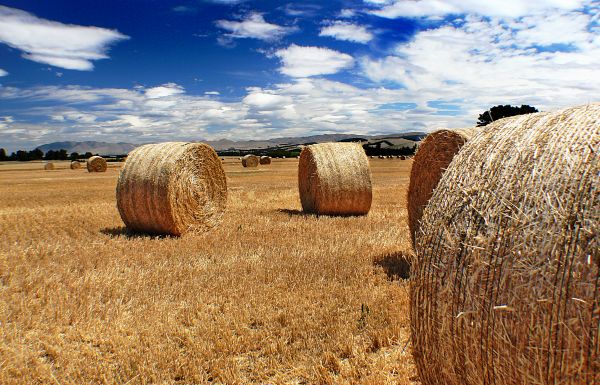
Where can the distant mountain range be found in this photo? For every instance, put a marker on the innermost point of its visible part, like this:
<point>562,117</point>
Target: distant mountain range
<point>106,148</point>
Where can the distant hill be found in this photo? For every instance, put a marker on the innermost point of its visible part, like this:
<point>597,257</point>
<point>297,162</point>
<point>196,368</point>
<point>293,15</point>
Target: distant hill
<point>105,148</point>
<point>102,148</point>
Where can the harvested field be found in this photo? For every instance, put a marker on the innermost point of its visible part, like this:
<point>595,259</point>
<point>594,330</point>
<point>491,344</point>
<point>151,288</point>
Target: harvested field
<point>269,296</point>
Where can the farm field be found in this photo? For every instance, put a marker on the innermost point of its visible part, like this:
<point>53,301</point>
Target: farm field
<point>269,296</point>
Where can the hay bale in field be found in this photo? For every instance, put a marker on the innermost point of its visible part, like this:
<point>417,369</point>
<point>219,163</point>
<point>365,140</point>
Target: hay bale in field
<point>172,188</point>
<point>335,179</point>
<point>75,165</point>
<point>250,161</point>
<point>265,160</point>
<point>505,281</point>
<point>381,157</point>
<point>433,157</point>
<point>96,164</point>
<point>402,157</point>
<point>48,166</point>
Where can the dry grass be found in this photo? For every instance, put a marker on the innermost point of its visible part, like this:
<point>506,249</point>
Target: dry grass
<point>269,296</point>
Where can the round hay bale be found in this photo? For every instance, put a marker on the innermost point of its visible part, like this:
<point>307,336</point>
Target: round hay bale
<point>265,160</point>
<point>433,157</point>
<point>335,179</point>
<point>48,166</point>
<point>75,165</point>
<point>172,188</point>
<point>506,277</point>
<point>381,157</point>
<point>402,157</point>
<point>250,161</point>
<point>96,164</point>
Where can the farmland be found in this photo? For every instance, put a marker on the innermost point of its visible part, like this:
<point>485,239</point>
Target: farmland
<point>269,296</point>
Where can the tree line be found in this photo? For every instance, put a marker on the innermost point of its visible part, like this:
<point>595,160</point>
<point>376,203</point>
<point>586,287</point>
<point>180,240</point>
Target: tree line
<point>37,154</point>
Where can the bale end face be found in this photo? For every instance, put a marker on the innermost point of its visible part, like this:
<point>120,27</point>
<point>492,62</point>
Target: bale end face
<point>265,160</point>
<point>96,164</point>
<point>334,179</point>
<point>250,161</point>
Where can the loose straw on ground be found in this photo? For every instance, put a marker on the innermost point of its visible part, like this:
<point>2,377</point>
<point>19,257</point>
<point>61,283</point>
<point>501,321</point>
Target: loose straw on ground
<point>433,157</point>
<point>335,179</point>
<point>172,188</point>
<point>96,164</point>
<point>505,281</point>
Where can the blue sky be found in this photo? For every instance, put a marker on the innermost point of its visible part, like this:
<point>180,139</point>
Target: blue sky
<point>143,71</point>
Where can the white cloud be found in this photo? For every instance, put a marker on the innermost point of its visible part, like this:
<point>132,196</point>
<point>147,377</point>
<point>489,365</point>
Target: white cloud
<point>2,72</point>
<point>266,101</point>
<point>485,62</point>
<point>432,8</point>
<point>212,93</point>
<point>61,45</point>
<point>163,91</point>
<point>347,31</point>
<point>347,13</point>
<point>301,61</point>
<point>253,26</point>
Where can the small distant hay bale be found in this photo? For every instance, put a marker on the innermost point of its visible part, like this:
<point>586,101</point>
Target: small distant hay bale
<point>381,157</point>
<point>335,179</point>
<point>402,157</point>
<point>504,284</point>
<point>96,164</point>
<point>250,161</point>
<point>48,166</point>
<point>433,157</point>
<point>172,188</point>
<point>265,160</point>
<point>75,165</point>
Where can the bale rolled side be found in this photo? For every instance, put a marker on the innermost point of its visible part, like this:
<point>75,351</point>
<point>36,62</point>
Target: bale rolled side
<point>250,161</point>
<point>265,160</point>
<point>48,166</point>
<point>96,164</point>
<point>172,188</point>
<point>506,281</point>
<point>75,165</point>
<point>433,157</point>
<point>335,179</point>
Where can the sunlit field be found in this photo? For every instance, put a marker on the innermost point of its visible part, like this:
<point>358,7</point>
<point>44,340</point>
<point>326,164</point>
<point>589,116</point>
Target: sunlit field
<point>269,296</point>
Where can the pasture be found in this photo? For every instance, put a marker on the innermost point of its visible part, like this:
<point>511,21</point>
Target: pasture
<point>271,295</point>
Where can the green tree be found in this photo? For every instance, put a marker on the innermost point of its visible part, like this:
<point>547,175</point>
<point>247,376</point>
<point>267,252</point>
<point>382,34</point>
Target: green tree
<point>36,154</point>
<point>500,111</point>
<point>3,155</point>
<point>74,156</point>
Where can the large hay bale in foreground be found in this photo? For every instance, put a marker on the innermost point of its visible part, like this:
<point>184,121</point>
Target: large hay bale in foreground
<point>75,165</point>
<point>433,157</point>
<point>335,179</point>
<point>96,164</point>
<point>172,188</point>
<point>250,160</point>
<point>506,277</point>
<point>265,160</point>
<point>48,166</point>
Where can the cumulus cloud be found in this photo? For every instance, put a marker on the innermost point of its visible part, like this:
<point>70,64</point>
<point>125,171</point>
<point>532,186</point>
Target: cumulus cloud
<point>347,31</point>
<point>437,8</point>
<point>253,26</point>
<point>163,91</point>
<point>298,61</point>
<point>2,72</point>
<point>485,61</point>
<point>61,45</point>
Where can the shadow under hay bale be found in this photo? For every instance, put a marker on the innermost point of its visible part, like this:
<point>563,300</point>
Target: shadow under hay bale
<point>395,265</point>
<point>172,188</point>
<point>505,282</point>
<point>335,179</point>
<point>122,231</point>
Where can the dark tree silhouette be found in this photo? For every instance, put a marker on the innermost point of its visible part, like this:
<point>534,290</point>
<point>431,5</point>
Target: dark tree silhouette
<point>3,155</point>
<point>500,111</point>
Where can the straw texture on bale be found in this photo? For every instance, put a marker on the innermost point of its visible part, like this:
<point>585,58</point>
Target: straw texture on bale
<point>505,281</point>
<point>48,166</point>
<point>96,164</point>
<point>250,161</point>
<point>433,157</point>
<point>75,165</point>
<point>265,160</point>
<point>172,188</point>
<point>335,179</point>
